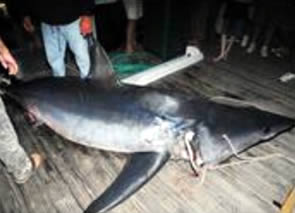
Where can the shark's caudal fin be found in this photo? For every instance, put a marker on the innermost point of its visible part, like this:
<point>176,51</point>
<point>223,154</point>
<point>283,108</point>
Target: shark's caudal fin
<point>101,67</point>
<point>140,169</point>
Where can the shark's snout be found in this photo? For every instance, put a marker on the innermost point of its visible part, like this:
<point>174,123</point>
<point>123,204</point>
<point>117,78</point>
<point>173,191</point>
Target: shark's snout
<point>227,131</point>
<point>273,125</point>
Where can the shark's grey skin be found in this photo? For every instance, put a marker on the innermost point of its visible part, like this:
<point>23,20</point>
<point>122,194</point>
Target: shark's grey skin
<point>154,125</point>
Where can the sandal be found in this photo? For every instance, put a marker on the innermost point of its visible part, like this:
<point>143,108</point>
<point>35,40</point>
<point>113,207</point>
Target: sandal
<point>36,161</point>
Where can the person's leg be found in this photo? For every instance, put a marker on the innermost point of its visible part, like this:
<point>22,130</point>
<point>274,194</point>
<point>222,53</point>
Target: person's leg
<point>229,46</point>
<point>256,33</point>
<point>134,11</point>
<point>12,154</point>
<point>247,32</point>
<point>131,36</point>
<point>259,21</point>
<point>245,40</point>
<point>222,48</point>
<point>55,47</point>
<point>268,37</point>
<point>78,46</point>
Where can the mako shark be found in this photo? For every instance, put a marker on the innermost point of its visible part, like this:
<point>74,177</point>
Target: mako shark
<point>152,125</point>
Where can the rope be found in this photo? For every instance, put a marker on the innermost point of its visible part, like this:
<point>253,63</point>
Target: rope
<point>250,160</point>
<point>228,140</point>
<point>187,140</point>
<point>244,160</point>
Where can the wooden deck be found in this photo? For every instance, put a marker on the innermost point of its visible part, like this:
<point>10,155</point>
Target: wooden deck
<point>72,175</point>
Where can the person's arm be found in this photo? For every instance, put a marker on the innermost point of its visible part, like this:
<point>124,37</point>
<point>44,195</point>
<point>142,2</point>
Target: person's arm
<point>7,60</point>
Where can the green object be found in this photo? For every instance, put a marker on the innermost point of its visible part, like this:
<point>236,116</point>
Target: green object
<point>127,64</point>
<point>104,1</point>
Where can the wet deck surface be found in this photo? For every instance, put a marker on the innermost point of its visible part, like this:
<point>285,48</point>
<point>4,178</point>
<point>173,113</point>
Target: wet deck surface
<point>72,175</point>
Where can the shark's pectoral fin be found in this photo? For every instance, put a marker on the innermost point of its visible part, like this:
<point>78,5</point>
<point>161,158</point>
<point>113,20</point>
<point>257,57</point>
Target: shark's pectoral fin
<point>140,168</point>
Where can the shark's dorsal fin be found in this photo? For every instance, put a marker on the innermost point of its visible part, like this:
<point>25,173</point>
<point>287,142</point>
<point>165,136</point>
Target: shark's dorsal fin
<point>101,69</point>
<point>140,168</point>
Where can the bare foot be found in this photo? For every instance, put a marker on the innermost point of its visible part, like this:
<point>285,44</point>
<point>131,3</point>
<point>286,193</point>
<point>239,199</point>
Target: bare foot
<point>131,47</point>
<point>23,175</point>
<point>37,160</point>
<point>218,58</point>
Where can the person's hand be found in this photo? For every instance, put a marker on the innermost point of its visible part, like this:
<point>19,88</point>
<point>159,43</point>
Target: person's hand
<point>85,25</point>
<point>28,25</point>
<point>7,60</point>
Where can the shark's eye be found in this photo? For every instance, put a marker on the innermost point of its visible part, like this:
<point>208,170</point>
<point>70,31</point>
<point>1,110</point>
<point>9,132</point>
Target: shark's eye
<point>266,130</point>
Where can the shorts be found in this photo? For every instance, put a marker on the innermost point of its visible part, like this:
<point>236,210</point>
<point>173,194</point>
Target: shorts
<point>134,9</point>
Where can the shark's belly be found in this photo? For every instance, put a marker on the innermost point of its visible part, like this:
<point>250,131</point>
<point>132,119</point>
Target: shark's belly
<point>119,132</point>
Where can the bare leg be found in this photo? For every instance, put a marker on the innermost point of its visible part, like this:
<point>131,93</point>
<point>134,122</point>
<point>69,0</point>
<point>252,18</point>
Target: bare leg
<point>222,48</point>
<point>229,46</point>
<point>134,11</point>
<point>131,36</point>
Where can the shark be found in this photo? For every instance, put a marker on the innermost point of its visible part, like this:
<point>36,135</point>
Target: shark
<point>151,125</point>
